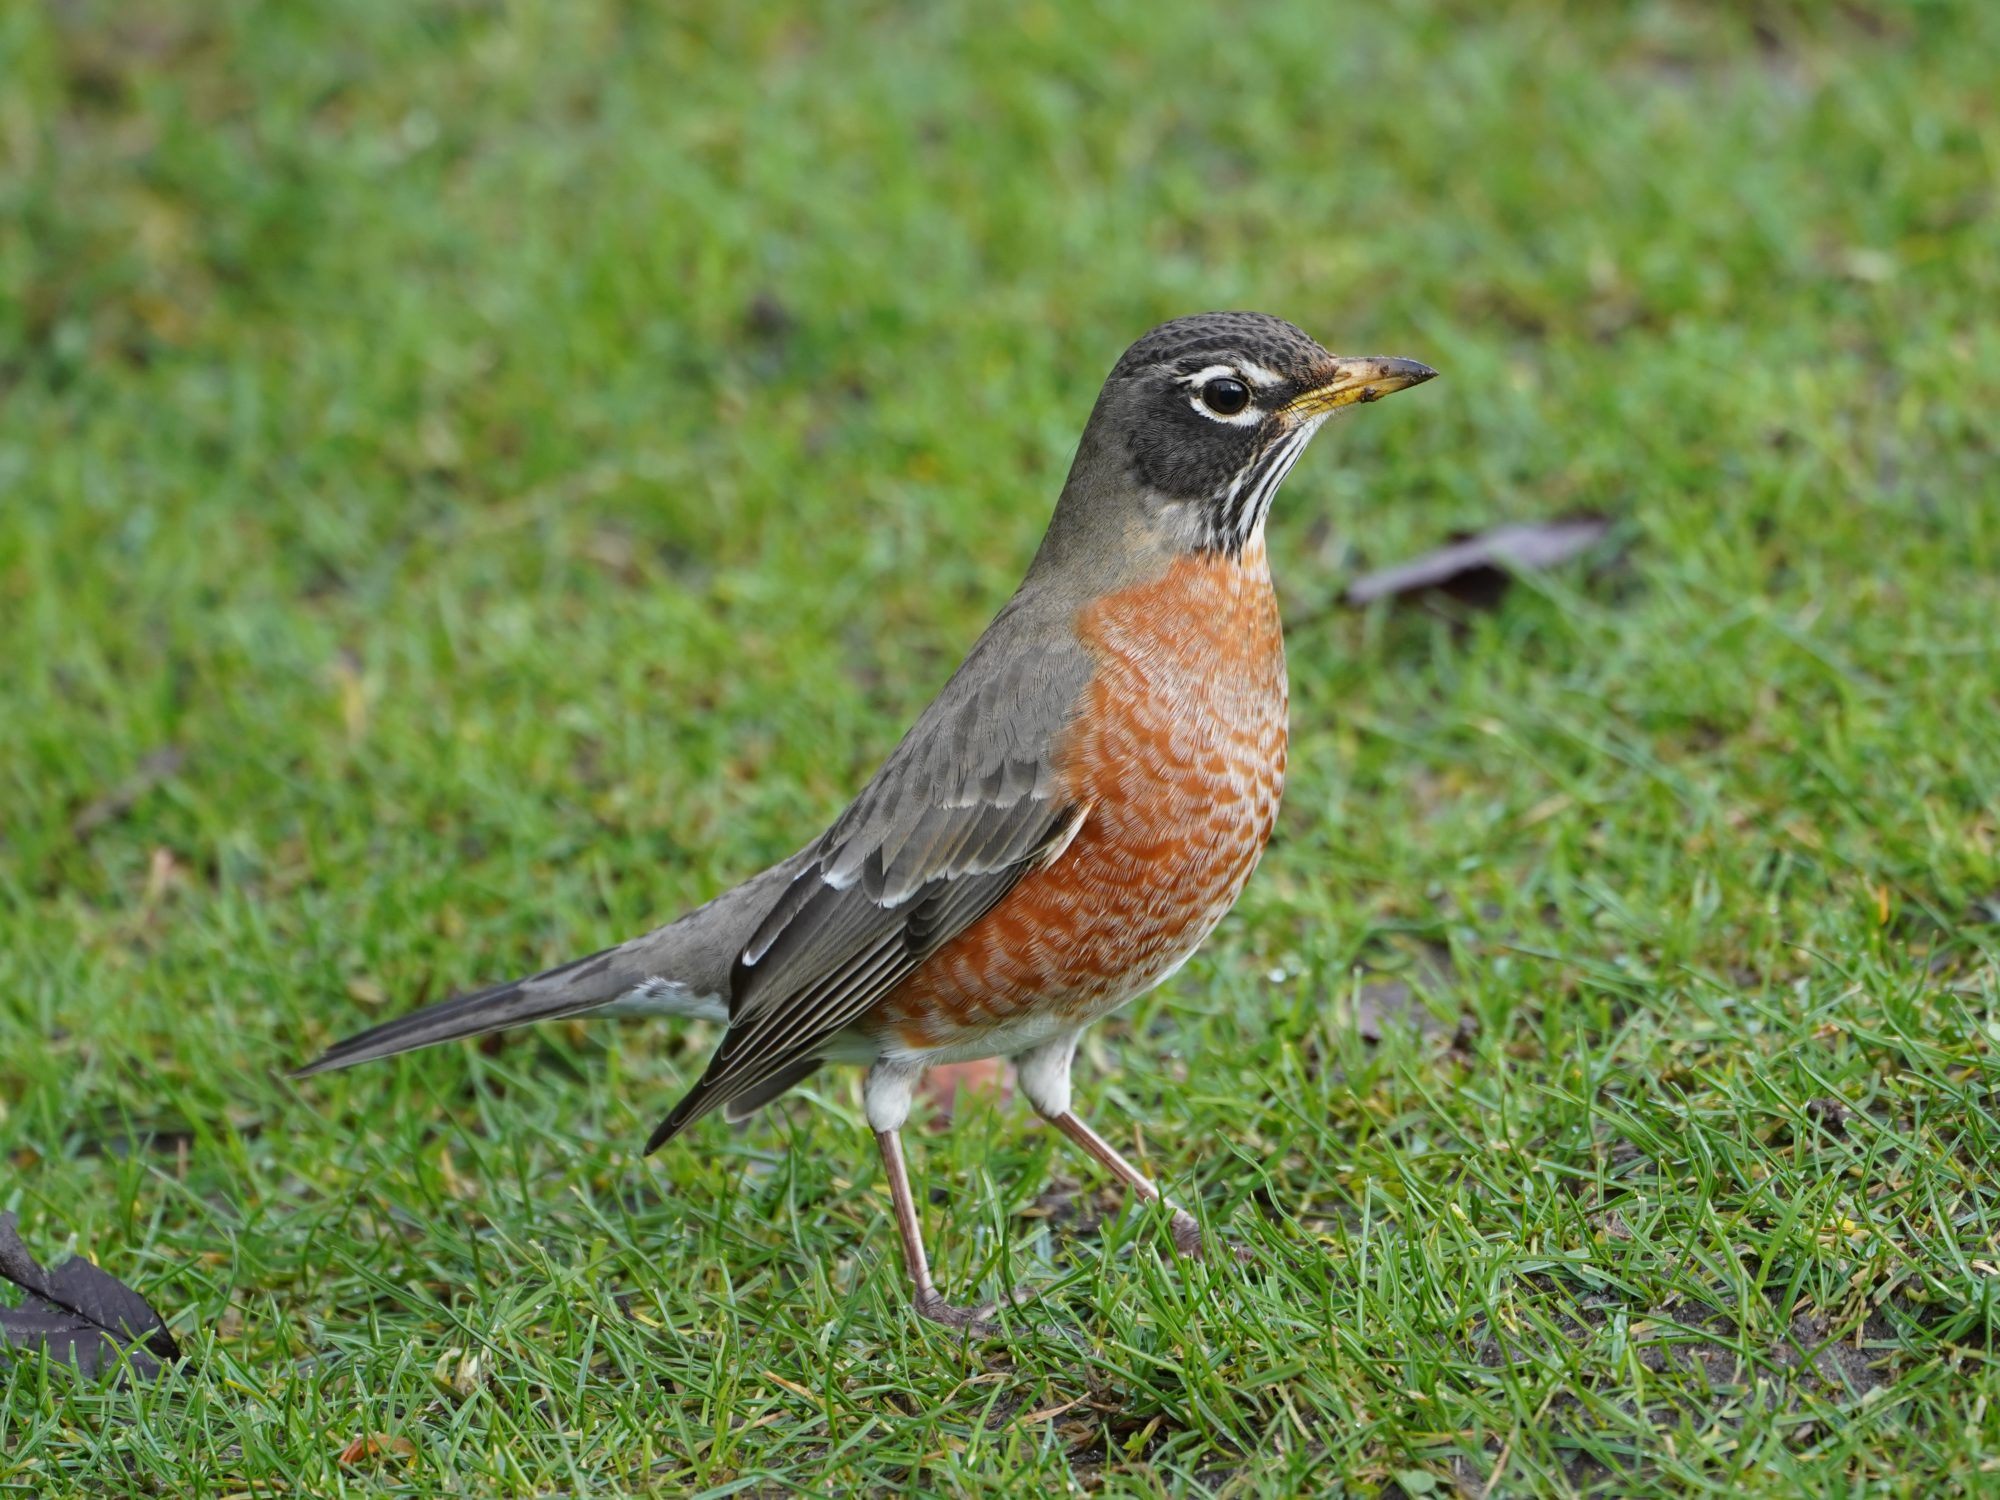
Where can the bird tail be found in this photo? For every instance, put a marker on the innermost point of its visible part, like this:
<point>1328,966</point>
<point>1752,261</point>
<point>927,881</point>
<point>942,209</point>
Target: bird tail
<point>602,983</point>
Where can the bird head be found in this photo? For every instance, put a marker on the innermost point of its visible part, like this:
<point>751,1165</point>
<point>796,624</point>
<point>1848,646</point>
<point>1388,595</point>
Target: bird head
<point>1200,421</point>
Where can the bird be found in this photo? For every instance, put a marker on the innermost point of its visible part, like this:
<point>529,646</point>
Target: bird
<point>1060,829</point>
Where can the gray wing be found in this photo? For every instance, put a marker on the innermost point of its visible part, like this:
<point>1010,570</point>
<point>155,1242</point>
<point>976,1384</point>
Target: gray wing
<point>966,806</point>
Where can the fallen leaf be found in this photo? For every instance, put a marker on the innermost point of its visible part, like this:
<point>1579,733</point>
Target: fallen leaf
<point>1043,1414</point>
<point>1476,570</point>
<point>79,1315</point>
<point>376,1445</point>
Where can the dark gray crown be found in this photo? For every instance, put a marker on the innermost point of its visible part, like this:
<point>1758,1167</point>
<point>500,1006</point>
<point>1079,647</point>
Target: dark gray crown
<point>1186,343</point>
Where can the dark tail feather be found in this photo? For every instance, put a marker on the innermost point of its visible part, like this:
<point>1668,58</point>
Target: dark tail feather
<point>742,1107</point>
<point>584,984</point>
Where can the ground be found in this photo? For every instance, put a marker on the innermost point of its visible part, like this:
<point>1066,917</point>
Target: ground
<point>476,478</point>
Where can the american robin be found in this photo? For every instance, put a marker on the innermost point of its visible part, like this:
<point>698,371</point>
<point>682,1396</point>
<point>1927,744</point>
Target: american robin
<point>1062,827</point>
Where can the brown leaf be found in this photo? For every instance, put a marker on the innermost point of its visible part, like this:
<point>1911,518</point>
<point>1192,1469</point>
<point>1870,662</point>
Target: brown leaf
<point>376,1445</point>
<point>1477,569</point>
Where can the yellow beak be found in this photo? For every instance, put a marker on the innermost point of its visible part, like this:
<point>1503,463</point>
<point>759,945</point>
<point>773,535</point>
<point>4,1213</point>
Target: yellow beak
<point>1349,382</point>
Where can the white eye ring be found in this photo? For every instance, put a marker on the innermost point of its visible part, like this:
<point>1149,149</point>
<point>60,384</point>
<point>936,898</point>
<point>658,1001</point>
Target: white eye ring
<point>1197,383</point>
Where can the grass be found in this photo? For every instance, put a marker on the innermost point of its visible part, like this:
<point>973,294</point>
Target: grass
<point>475,478</point>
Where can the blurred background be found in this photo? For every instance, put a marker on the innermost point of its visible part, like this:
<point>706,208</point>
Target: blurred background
<point>476,477</point>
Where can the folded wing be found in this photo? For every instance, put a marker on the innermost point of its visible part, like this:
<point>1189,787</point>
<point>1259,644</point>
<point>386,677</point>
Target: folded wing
<point>967,805</point>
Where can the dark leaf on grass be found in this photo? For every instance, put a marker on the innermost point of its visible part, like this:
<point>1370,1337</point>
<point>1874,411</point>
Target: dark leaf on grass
<point>1477,569</point>
<point>82,1316</point>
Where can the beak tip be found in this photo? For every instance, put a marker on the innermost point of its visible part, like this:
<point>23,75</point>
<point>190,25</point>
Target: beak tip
<point>1390,375</point>
<point>1361,380</point>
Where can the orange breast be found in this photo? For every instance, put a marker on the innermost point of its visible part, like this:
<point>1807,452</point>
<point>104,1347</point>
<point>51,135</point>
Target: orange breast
<point>1178,748</point>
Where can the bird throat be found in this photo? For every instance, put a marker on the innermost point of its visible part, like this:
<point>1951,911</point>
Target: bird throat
<point>1234,519</point>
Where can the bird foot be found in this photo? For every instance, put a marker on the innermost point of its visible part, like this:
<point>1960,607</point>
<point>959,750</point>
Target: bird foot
<point>1187,1234</point>
<point>975,1322</point>
<point>1188,1240</point>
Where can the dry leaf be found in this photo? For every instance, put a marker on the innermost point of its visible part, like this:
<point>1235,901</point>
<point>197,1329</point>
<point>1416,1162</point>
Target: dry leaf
<point>376,1445</point>
<point>81,1316</point>
<point>1477,569</point>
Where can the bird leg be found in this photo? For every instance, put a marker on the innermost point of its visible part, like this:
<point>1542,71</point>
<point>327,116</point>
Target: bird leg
<point>1044,1074</point>
<point>1186,1230</point>
<point>924,1295</point>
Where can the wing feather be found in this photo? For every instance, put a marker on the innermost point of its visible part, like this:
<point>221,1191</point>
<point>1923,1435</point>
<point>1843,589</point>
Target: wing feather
<point>965,807</point>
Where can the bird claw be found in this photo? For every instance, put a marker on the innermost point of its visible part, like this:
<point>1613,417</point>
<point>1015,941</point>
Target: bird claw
<point>975,1322</point>
<point>1189,1240</point>
<point>1187,1234</point>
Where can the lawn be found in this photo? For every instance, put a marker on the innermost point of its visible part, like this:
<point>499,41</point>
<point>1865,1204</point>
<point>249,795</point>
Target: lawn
<point>477,478</point>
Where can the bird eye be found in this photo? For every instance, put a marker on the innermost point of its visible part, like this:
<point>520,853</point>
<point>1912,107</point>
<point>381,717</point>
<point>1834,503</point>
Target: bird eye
<point>1224,396</point>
